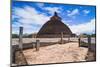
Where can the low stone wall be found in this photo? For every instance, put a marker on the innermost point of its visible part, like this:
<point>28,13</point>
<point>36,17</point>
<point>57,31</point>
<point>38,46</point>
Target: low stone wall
<point>53,36</point>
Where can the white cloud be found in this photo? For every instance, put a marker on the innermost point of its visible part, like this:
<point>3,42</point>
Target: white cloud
<point>88,27</point>
<point>86,11</point>
<point>73,12</point>
<point>27,28</point>
<point>27,16</point>
<point>68,11</point>
<point>40,4</point>
<point>67,21</point>
<point>30,15</point>
<point>51,10</point>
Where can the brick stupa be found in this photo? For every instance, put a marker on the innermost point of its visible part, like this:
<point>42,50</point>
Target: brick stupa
<point>53,28</point>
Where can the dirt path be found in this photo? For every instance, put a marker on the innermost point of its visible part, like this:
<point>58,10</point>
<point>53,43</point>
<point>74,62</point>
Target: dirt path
<point>57,53</point>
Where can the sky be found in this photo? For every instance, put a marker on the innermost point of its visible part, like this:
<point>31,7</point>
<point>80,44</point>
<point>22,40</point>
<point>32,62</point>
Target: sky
<point>32,15</point>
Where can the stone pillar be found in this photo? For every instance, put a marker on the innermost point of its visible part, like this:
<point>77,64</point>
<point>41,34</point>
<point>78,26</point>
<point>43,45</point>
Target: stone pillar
<point>79,41</point>
<point>68,38</point>
<point>20,38</point>
<point>13,56</point>
<point>61,37</point>
<point>37,45</point>
<point>89,43</point>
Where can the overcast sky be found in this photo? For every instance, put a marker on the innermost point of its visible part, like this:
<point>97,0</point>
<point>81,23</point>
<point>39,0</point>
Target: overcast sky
<point>31,15</point>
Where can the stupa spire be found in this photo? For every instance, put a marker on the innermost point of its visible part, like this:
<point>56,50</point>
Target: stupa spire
<point>55,14</point>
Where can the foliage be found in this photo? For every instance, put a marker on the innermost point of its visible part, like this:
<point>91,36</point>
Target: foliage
<point>87,35</point>
<point>15,35</point>
<point>24,35</point>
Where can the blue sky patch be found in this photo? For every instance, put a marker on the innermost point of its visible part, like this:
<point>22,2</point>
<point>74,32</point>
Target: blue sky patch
<point>32,15</point>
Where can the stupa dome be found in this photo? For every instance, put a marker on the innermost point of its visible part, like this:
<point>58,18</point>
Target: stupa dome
<point>53,28</point>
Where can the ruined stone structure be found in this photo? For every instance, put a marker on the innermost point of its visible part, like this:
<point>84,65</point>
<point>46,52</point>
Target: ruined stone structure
<point>53,28</point>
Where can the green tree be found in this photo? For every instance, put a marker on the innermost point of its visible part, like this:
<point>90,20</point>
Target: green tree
<point>15,35</point>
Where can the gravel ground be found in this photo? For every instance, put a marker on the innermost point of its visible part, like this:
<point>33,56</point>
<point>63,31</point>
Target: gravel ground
<point>15,41</point>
